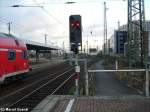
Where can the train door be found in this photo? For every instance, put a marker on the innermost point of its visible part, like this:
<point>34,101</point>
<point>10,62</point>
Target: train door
<point>25,59</point>
<point>20,60</point>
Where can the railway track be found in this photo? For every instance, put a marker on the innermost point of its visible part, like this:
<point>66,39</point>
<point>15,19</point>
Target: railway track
<point>29,100</point>
<point>51,87</point>
<point>34,76</point>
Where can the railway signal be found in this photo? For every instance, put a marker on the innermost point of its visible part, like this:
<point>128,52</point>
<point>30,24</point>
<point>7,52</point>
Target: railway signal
<point>75,31</point>
<point>74,48</point>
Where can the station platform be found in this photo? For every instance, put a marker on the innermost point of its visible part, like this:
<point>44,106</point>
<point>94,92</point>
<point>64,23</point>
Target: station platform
<point>58,103</point>
<point>47,63</point>
<point>44,60</point>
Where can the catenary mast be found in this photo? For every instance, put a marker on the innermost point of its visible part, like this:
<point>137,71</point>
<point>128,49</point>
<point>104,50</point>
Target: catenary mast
<point>136,23</point>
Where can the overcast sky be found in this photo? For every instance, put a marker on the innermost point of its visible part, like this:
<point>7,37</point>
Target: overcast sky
<point>32,23</point>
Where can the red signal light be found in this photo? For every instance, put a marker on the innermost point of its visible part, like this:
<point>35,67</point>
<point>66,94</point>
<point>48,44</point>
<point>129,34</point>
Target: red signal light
<point>77,24</point>
<point>72,24</point>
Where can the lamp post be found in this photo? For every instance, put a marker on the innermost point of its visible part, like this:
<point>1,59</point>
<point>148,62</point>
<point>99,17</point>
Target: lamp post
<point>26,6</point>
<point>9,27</point>
<point>45,39</point>
<point>70,2</point>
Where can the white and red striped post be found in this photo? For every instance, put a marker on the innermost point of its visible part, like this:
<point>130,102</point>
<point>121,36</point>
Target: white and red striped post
<point>77,70</point>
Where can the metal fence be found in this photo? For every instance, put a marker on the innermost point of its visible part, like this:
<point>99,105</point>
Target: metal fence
<point>123,70</point>
<point>147,79</point>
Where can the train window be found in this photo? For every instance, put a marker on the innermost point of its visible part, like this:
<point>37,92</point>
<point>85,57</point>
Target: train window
<point>11,55</point>
<point>24,54</point>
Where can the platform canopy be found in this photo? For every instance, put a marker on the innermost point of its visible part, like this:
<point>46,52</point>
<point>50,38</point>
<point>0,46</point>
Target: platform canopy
<point>31,45</point>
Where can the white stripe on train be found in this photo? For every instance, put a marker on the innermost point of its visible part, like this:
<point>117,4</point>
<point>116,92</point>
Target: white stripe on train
<point>3,49</point>
<point>12,74</point>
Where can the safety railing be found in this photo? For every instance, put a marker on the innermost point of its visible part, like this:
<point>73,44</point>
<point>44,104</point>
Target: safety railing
<point>123,70</point>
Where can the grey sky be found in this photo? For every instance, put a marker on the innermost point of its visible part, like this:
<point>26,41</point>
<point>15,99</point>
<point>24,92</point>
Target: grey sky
<point>32,23</point>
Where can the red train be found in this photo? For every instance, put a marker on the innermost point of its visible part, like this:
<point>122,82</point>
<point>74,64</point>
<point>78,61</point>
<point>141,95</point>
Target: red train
<point>14,63</point>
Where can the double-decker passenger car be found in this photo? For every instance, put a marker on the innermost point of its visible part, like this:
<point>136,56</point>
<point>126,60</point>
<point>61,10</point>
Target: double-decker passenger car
<point>14,63</point>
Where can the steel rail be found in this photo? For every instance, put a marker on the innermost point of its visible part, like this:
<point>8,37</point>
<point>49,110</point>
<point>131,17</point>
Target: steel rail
<point>62,84</point>
<point>25,87</point>
<point>40,87</point>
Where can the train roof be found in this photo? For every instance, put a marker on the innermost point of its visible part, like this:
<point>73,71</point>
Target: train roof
<point>5,35</point>
<point>9,41</point>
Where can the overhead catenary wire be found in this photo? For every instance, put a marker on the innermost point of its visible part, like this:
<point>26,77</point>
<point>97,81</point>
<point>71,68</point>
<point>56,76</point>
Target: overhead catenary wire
<point>50,15</point>
<point>18,26</point>
<point>61,23</point>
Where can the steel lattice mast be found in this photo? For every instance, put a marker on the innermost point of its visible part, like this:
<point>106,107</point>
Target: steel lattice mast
<point>136,23</point>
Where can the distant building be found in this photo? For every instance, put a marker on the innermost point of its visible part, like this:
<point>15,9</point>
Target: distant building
<point>147,28</point>
<point>111,45</point>
<point>93,51</point>
<point>120,40</point>
<point>116,42</point>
